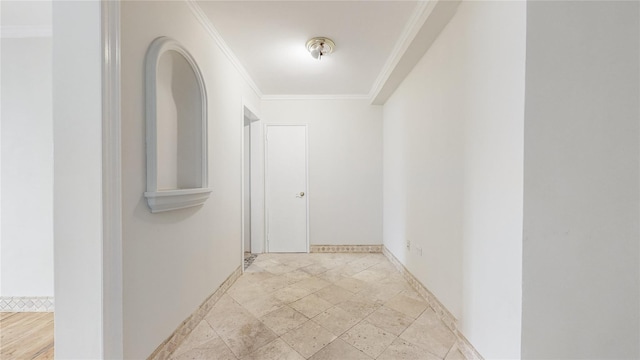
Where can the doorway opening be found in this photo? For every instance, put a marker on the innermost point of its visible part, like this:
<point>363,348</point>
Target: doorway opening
<point>252,187</point>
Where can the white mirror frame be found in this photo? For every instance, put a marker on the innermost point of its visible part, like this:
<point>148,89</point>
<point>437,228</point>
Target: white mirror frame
<point>172,199</point>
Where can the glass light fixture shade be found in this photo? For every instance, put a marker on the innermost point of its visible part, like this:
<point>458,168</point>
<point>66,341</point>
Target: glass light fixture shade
<point>316,52</point>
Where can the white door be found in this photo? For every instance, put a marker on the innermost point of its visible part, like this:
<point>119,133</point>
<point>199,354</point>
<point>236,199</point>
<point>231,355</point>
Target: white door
<point>286,188</point>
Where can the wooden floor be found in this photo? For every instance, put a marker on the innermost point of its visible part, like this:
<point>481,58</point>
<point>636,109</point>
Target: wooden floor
<point>26,336</point>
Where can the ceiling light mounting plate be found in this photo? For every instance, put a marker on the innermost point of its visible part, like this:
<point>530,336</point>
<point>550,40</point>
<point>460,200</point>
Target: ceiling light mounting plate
<point>320,46</point>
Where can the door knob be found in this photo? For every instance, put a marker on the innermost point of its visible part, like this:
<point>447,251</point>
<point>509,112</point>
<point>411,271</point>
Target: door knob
<point>301,194</point>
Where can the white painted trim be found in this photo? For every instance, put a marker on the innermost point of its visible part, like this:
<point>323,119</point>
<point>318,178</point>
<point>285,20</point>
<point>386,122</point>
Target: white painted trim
<point>266,176</point>
<point>242,185</point>
<point>112,280</point>
<point>204,20</point>
<point>411,29</point>
<point>25,31</point>
<point>26,304</point>
<point>306,162</point>
<point>172,199</point>
<point>247,111</point>
<point>167,200</point>
<point>317,97</point>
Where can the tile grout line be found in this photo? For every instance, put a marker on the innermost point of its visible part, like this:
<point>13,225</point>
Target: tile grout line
<point>220,336</point>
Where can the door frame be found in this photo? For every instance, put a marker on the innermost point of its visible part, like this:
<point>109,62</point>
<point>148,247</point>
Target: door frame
<point>249,112</point>
<point>266,177</point>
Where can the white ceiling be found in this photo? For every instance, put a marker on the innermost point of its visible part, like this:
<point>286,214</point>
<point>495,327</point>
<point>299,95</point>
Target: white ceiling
<point>268,38</point>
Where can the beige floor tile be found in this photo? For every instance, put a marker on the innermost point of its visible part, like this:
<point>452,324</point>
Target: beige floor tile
<point>430,333</point>
<point>273,266</point>
<point>314,269</point>
<point>380,293</point>
<point>274,283</point>
<point>227,315</point>
<point>454,354</point>
<point>308,339</point>
<point>412,294</point>
<point>369,338</point>
<point>395,279</point>
<point>280,269</point>
<point>403,350</point>
<point>262,305</point>
<point>407,305</point>
<point>299,261</point>
<point>284,319</point>
<point>295,276</point>
<point>311,305</point>
<point>201,334</point>
<point>333,275</point>
<point>248,338</point>
<point>265,263</point>
<point>314,284</point>
<point>359,306</point>
<point>337,320</point>
<point>368,261</point>
<point>386,266</point>
<point>338,349</point>
<point>351,284</point>
<point>253,277</point>
<point>290,294</point>
<point>371,276</point>
<point>330,263</point>
<point>214,350</point>
<point>247,292</point>
<point>254,269</point>
<point>390,320</point>
<point>334,294</point>
<point>352,268</point>
<point>275,350</point>
<point>343,294</point>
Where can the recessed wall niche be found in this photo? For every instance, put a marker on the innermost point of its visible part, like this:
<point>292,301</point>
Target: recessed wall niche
<point>176,128</point>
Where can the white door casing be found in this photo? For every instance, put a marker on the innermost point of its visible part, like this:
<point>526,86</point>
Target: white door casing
<point>286,188</point>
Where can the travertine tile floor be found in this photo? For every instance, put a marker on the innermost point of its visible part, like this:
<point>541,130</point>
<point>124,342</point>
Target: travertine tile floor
<point>320,306</point>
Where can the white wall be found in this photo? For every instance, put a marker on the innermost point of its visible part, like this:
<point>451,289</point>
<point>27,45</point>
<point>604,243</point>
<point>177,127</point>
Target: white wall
<point>27,168</point>
<point>581,283</point>
<point>345,168</point>
<point>174,260</point>
<point>453,162</point>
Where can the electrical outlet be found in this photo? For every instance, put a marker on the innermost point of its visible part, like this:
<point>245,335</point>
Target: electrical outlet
<point>408,245</point>
<point>419,250</point>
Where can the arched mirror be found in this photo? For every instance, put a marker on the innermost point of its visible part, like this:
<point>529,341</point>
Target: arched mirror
<point>176,128</point>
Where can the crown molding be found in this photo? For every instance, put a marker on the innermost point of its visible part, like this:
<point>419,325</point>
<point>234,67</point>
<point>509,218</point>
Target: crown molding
<point>25,31</point>
<point>317,97</point>
<point>417,19</point>
<point>208,26</point>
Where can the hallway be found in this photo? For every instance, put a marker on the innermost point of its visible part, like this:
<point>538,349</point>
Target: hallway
<point>320,306</point>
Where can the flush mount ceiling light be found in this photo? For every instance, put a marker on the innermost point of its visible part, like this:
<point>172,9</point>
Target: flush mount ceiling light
<point>319,46</point>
